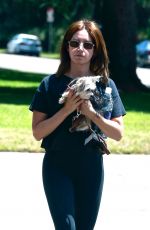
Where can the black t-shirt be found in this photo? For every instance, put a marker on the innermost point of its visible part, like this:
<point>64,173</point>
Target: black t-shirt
<point>46,99</point>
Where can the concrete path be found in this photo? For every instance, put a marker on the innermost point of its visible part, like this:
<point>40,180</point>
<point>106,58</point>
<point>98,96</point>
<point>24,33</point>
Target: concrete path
<point>125,203</point>
<point>29,64</point>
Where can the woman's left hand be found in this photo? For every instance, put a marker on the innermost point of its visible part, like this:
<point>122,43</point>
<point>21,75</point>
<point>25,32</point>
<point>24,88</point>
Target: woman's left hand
<point>86,108</point>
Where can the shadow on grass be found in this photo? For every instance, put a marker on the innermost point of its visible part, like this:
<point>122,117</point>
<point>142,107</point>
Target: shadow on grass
<point>10,75</point>
<point>18,96</point>
<point>22,96</point>
<point>137,101</point>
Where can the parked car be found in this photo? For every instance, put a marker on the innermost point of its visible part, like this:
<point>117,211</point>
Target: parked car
<point>143,53</point>
<point>24,44</point>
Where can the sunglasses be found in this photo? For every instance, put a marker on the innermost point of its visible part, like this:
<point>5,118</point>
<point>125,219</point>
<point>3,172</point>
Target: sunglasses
<point>87,45</point>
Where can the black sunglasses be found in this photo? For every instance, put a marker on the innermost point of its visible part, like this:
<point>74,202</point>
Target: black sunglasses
<point>75,44</point>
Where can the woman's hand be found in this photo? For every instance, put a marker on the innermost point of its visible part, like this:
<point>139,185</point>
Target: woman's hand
<point>72,102</point>
<point>86,108</point>
<point>112,128</point>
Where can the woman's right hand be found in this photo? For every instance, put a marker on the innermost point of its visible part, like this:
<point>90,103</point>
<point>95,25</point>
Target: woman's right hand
<point>72,102</point>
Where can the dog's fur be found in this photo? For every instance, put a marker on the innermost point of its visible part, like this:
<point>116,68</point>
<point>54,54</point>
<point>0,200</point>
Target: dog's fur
<point>84,87</point>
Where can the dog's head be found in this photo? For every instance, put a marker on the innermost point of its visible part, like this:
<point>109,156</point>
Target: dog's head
<point>84,86</point>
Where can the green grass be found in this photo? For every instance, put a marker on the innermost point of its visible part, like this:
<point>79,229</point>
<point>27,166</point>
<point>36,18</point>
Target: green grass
<point>50,55</point>
<point>2,50</point>
<point>136,135</point>
<point>16,91</point>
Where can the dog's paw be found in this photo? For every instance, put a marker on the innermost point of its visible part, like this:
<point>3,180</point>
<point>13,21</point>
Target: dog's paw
<point>63,97</point>
<point>61,100</point>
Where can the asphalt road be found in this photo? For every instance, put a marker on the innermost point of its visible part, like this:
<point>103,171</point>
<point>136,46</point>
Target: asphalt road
<point>49,66</point>
<point>125,203</point>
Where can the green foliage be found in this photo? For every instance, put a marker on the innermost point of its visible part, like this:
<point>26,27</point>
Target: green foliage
<point>143,19</point>
<point>30,17</point>
<point>144,3</point>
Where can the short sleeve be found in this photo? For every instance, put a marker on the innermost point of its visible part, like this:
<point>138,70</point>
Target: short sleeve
<point>118,108</point>
<point>39,100</point>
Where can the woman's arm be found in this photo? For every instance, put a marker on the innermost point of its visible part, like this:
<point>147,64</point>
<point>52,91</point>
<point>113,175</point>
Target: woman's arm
<point>111,128</point>
<point>43,126</point>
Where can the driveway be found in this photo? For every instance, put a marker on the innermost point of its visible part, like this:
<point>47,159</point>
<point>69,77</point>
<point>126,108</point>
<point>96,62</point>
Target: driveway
<point>49,66</point>
<point>125,202</point>
<point>28,64</point>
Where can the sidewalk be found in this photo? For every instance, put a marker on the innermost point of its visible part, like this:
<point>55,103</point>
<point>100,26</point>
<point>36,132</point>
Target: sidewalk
<point>125,202</point>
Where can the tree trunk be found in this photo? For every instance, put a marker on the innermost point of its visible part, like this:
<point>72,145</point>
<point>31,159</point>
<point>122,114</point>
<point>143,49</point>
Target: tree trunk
<point>119,22</point>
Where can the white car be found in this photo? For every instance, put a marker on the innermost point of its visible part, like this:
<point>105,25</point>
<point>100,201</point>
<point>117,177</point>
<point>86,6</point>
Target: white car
<point>24,44</point>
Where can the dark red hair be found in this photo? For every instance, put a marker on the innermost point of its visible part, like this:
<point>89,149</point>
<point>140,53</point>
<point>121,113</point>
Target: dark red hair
<point>99,61</point>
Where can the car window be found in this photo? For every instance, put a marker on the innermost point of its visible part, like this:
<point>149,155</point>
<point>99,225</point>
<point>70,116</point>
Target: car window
<point>28,40</point>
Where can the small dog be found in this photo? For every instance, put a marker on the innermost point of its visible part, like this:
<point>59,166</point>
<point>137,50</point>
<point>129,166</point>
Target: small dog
<point>84,87</point>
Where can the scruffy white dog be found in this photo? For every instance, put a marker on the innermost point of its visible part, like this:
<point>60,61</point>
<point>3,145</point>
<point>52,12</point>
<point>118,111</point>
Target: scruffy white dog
<point>84,87</point>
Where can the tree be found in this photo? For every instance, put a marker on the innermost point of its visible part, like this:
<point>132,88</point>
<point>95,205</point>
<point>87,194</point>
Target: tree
<point>119,28</point>
<point>18,16</point>
<point>117,17</point>
<point>143,19</point>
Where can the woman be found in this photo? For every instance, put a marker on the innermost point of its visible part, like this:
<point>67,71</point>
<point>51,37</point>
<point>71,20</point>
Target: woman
<point>72,171</point>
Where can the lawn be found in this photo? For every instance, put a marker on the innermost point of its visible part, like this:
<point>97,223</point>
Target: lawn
<point>16,91</point>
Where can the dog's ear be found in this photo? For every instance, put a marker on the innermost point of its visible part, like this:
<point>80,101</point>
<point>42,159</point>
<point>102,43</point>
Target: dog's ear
<point>73,82</point>
<point>96,78</point>
<point>67,89</point>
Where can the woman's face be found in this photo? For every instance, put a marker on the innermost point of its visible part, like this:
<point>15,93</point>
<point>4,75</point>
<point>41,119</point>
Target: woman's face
<point>81,54</point>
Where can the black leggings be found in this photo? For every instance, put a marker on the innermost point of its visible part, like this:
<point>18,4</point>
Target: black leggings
<point>73,184</point>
